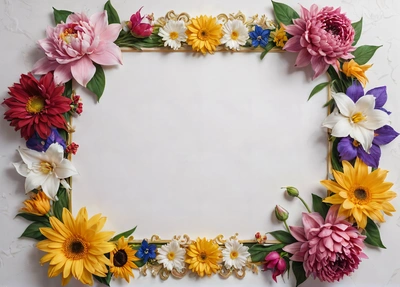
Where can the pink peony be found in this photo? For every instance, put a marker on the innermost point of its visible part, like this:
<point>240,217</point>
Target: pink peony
<point>141,26</point>
<point>320,38</point>
<point>274,262</point>
<point>72,47</point>
<point>329,249</point>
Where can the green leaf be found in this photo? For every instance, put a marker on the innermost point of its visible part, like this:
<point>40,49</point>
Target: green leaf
<point>335,158</point>
<point>33,217</point>
<point>357,29</point>
<point>267,48</point>
<point>125,234</point>
<point>283,236</point>
<point>364,53</point>
<point>112,13</point>
<point>61,15</point>
<point>319,206</point>
<point>104,280</point>
<point>317,89</point>
<point>283,13</point>
<point>373,235</point>
<point>259,251</point>
<point>63,201</point>
<point>68,89</point>
<point>98,82</point>
<point>299,273</point>
<point>32,231</point>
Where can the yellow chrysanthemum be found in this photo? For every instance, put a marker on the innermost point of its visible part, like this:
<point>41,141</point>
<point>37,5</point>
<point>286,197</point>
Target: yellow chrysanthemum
<point>279,37</point>
<point>352,69</point>
<point>359,193</point>
<point>39,204</point>
<point>121,260</point>
<point>76,247</point>
<point>203,257</point>
<point>204,34</point>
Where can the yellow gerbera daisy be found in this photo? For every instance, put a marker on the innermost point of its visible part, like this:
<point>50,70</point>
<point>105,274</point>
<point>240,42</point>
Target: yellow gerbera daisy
<point>39,204</point>
<point>203,257</point>
<point>76,247</point>
<point>359,193</point>
<point>204,34</point>
<point>121,260</point>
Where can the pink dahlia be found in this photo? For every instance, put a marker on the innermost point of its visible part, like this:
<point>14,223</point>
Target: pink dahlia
<point>36,106</point>
<point>72,47</point>
<point>329,249</point>
<point>320,37</point>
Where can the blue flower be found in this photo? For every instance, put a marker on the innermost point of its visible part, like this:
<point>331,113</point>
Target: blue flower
<point>146,251</point>
<point>259,37</point>
<point>41,145</point>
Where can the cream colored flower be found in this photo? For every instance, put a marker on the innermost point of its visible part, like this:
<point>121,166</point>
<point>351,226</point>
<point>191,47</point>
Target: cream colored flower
<point>173,34</point>
<point>235,34</point>
<point>171,256</point>
<point>235,254</point>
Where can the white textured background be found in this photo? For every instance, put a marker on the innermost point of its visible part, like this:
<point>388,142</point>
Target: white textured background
<point>191,144</point>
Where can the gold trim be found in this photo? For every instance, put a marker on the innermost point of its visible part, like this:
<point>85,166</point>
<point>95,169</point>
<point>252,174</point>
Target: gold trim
<point>186,49</point>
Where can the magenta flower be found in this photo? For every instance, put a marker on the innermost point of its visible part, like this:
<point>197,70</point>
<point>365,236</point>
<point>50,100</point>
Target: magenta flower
<point>72,47</point>
<point>329,249</point>
<point>141,27</point>
<point>320,37</point>
<point>274,262</point>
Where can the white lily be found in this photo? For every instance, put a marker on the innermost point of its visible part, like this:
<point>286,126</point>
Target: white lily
<point>359,120</point>
<point>45,169</point>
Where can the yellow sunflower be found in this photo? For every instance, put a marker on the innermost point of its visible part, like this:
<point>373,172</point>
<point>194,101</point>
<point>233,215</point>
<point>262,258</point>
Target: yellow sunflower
<point>121,260</point>
<point>39,204</point>
<point>204,34</point>
<point>76,247</point>
<point>203,257</point>
<point>359,193</point>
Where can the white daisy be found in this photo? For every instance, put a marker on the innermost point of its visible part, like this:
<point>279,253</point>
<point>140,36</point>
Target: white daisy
<point>173,33</point>
<point>45,169</point>
<point>235,254</point>
<point>235,34</point>
<point>171,256</point>
<point>359,120</point>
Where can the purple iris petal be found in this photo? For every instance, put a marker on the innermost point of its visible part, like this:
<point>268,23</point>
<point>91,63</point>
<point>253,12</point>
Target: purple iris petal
<point>346,149</point>
<point>384,135</point>
<point>39,144</point>
<point>380,96</point>
<point>372,158</point>
<point>355,91</point>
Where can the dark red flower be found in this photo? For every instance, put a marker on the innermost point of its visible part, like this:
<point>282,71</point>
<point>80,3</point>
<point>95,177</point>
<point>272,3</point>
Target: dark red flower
<point>36,106</point>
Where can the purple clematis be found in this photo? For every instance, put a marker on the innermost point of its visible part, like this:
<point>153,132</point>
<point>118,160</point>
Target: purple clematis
<point>349,148</point>
<point>39,144</point>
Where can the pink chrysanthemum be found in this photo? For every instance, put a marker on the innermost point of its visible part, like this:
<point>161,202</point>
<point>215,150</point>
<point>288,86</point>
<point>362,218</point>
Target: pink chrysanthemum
<point>36,106</point>
<point>329,249</point>
<point>72,47</point>
<point>320,38</point>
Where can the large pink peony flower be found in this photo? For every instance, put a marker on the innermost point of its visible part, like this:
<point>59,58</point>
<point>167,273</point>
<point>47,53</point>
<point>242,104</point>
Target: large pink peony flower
<point>320,37</point>
<point>329,249</point>
<point>72,47</point>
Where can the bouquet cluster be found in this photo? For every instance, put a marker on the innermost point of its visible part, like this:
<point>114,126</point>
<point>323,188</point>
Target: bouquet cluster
<point>329,244</point>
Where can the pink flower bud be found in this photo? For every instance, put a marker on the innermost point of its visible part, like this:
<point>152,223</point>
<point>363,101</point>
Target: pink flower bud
<point>275,263</point>
<point>281,213</point>
<point>141,27</point>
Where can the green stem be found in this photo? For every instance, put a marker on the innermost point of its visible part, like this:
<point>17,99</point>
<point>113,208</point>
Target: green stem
<point>305,204</point>
<point>287,227</point>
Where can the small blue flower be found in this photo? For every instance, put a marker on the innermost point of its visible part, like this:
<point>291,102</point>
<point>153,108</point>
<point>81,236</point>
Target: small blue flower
<point>39,144</point>
<point>146,251</point>
<point>259,37</point>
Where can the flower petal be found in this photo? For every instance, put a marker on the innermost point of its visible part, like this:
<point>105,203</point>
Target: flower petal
<point>21,168</point>
<point>83,70</point>
<point>50,186</point>
<point>345,105</point>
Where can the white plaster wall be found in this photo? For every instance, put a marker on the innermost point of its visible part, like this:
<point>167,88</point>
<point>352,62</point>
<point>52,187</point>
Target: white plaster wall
<point>191,144</point>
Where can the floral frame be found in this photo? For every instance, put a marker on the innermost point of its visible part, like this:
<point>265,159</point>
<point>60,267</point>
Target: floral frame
<point>260,248</point>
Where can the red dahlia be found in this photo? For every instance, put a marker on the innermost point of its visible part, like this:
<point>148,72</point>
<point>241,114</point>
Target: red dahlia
<point>36,106</point>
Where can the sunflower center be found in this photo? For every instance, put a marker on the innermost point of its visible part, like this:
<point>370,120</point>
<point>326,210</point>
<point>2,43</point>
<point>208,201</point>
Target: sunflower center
<point>46,167</point>
<point>203,35</point>
<point>356,143</point>
<point>234,254</point>
<point>75,248</point>
<point>360,194</point>
<point>68,34</point>
<point>234,35</point>
<point>120,258</point>
<point>171,255</point>
<point>35,104</point>
<point>173,35</point>
<point>203,256</point>
<point>358,117</point>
